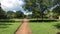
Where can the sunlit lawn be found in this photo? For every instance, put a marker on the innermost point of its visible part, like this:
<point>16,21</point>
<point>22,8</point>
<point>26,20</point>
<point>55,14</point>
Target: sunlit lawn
<point>8,27</point>
<point>37,27</point>
<point>44,27</point>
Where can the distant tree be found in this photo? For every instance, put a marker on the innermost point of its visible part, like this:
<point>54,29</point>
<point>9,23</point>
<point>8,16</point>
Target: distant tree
<point>10,14</point>
<point>19,14</point>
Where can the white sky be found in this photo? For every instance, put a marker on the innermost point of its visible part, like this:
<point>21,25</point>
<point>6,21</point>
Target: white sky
<point>11,4</point>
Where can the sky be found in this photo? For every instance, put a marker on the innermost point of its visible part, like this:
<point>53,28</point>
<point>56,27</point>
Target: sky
<point>12,5</point>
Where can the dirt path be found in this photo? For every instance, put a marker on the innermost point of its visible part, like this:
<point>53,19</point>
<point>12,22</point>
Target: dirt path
<point>24,28</point>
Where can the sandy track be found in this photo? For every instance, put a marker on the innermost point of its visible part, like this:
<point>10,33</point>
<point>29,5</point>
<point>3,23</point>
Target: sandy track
<point>24,28</point>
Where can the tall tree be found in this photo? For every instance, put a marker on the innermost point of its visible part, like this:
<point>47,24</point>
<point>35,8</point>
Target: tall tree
<point>37,6</point>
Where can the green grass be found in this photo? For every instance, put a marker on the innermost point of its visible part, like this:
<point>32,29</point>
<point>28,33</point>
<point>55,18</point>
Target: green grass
<point>44,27</point>
<point>8,27</point>
<point>37,27</point>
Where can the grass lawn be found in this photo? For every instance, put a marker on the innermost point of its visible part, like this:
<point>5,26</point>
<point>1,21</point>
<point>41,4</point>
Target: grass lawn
<point>44,27</point>
<point>8,27</point>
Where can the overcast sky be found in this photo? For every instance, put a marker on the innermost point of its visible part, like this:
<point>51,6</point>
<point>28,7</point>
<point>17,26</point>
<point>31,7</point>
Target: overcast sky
<point>12,5</point>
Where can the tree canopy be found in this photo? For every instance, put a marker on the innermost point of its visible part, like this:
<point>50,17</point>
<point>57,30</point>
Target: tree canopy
<point>38,7</point>
<point>19,14</point>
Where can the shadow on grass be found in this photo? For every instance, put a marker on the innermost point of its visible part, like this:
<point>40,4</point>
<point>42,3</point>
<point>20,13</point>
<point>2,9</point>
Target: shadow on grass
<point>43,21</point>
<point>5,24</point>
<point>57,26</point>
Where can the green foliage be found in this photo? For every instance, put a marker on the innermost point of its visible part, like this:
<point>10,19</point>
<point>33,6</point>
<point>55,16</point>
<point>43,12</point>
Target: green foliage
<point>38,7</point>
<point>10,14</point>
<point>2,14</point>
<point>19,14</point>
<point>57,10</point>
<point>56,1</point>
<point>34,5</point>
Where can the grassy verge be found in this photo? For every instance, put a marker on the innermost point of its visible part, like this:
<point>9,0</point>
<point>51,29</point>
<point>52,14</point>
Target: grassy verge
<point>44,27</point>
<point>8,27</point>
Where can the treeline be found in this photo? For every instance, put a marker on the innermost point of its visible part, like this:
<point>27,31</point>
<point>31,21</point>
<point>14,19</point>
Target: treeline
<point>10,14</point>
<point>54,14</point>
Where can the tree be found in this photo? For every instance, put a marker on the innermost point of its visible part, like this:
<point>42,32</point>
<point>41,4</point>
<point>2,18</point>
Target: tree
<point>37,6</point>
<point>57,11</point>
<point>56,1</point>
<point>19,14</point>
<point>10,14</point>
